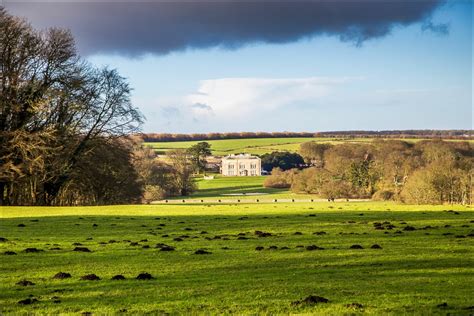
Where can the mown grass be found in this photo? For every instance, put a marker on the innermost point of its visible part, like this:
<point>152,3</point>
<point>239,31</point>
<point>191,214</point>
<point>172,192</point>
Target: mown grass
<point>413,272</point>
<point>221,186</point>
<point>258,146</point>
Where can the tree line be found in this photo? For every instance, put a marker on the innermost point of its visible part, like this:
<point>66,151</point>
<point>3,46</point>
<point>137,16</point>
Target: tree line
<point>446,134</point>
<point>426,172</point>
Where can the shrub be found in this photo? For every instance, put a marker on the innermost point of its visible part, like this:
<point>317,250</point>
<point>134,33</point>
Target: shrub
<point>383,195</point>
<point>280,179</point>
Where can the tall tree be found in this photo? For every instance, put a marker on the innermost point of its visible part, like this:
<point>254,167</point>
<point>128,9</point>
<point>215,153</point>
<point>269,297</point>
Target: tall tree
<point>53,106</point>
<point>198,153</point>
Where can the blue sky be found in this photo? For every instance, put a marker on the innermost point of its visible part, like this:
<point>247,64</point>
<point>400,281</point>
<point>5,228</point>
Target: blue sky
<point>410,78</point>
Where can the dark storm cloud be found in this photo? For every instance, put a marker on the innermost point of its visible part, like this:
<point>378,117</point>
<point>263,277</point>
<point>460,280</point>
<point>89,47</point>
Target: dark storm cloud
<point>136,28</point>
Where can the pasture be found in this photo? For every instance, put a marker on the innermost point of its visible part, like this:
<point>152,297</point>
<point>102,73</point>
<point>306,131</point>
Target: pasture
<point>246,189</point>
<point>247,259</point>
<point>256,146</point>
<point>259,146</point>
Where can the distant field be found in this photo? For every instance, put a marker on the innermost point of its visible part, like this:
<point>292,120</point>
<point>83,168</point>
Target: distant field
<point>256,146</point>
<point>423,265</point>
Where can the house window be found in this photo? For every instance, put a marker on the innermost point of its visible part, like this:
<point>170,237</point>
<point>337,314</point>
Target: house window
<point>252,172</point>
<point>231,166</point>
<point>253,166</point>
<point>231,172</point>
<point>242,166</point>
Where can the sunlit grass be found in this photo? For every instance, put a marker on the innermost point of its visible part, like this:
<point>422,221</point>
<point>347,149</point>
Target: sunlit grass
<point>413,273</point>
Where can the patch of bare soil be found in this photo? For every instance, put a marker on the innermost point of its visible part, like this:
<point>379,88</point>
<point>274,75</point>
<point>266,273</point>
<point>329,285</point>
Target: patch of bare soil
<point>311,300</point>
<point>62,275</point>
<point>355,305</point>
<point>202,252</point>
<point>144,276</point>
<point>262,234</point>
<point>25,282</point>
<point>90,277</point>
<point>28,301</point>
<point>81,249</point>
<point>32,250</point>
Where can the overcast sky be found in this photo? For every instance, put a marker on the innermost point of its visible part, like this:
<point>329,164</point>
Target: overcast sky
<point>220,66</point>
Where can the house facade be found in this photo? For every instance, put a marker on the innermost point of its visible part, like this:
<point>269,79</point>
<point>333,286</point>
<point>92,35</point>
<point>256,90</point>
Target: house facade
<point>241,165</point>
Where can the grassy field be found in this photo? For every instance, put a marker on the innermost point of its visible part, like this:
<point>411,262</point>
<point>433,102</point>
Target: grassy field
<point>256,146</point>
<point>246,189</point>
<point>425,260</point>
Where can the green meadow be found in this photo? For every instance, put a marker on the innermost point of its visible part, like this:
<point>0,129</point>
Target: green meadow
<point>424,264</point>
<point>258,146</point>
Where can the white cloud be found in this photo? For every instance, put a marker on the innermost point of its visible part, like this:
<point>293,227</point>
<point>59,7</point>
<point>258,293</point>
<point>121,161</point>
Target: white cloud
<point>233,98</point>
<point>234,104</point>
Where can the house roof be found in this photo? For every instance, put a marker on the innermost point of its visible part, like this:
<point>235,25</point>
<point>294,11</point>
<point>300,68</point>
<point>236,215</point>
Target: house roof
<point>240,156</point>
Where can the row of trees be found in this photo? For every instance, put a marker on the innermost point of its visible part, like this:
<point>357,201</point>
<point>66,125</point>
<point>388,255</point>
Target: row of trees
<point>166,137</point>
<point>424,172</point>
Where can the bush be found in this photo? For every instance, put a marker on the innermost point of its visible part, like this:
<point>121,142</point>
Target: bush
<point>280,179</point>
<point>310,180</point>
<point>336,189</point>
<point>153,193</point>
<point>383,195</point>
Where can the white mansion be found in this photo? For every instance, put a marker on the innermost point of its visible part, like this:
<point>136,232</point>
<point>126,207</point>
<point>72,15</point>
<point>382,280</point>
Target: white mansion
<point>241,165</point>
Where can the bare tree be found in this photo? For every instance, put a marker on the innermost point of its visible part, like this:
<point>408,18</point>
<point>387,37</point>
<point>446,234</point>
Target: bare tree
<point>53,106</point>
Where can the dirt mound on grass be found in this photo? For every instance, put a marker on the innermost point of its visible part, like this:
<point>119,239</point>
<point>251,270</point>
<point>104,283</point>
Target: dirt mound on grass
<point>32,250</point>
<point>354,305</point>
<point>356,247</point>
<point>25,283</point>
<point>409,228</point>
<point>259,248</point>
<point>28,301</point>
<point>21,225</point>
<point>313,247</point>
<point>144,276</point>
<point>164,247</point>
<point>311,300</point>
<point>118,277</point>
<point>9,253</point>
<point>62,275</point>
<point>82,249</point>
<point>90,277</point>
<point>202,252</point>
<point>375,246</point>
<point>262,234</point>
<point>3,239</point>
